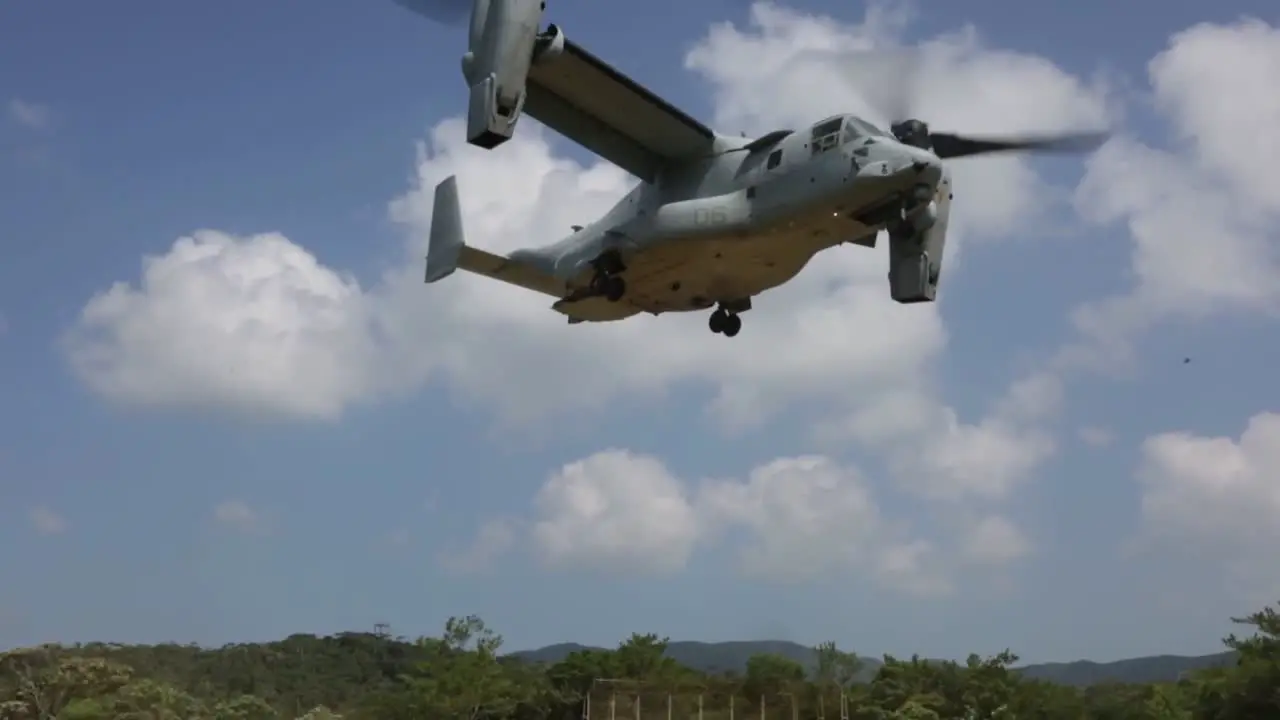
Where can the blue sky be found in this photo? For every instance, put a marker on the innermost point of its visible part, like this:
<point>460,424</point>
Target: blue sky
<point>373,450</point>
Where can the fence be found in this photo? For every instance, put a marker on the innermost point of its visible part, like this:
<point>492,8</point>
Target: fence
<point>623,700</point>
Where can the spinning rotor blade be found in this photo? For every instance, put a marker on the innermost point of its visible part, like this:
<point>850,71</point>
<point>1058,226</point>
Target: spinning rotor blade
<point>449,12</point>
<point>886,80</point>
<point>889,81</point>
<point>902,80</point>
<point>949,145</point>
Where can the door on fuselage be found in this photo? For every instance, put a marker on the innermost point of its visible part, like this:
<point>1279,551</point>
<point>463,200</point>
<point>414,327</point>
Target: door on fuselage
<point>778,186</point>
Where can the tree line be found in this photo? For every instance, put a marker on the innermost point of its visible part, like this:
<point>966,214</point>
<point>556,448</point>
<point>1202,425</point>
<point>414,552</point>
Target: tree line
<point>462,675</point>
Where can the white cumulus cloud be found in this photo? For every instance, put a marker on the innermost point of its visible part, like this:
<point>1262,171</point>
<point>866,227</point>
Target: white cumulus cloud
<point>1216,490</point>
<point>1204,217</point>
<point>995,540</point>
<point>807,516</point>
<point>616,509</point>
<point>252,324</point>
<point>493,538</point>
<point>799,518</point>
<point>1212,506</point>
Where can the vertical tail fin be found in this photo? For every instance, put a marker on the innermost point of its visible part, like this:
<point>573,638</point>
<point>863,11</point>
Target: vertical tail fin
<point>446,240</point>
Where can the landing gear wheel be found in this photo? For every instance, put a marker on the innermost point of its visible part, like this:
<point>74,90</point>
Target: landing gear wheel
<point>613,287</point>
<point>718,321</point>
<point>723,323</point>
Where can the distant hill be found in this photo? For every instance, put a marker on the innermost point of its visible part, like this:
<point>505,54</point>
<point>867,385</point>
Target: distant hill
<point>1157,668</point>
<point>732,656</point>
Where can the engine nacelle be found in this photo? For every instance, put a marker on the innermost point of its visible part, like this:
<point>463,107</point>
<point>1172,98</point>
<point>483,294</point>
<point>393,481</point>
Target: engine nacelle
<point>503,37</point>
<point>915,254</point>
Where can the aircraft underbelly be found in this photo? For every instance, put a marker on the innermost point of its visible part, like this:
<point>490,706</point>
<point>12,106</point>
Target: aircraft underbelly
<point>597,309</point>
<point>694,274</point>
<point>688,274</point>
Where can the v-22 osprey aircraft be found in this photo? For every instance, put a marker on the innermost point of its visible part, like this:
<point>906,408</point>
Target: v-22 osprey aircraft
<point>716,220</point>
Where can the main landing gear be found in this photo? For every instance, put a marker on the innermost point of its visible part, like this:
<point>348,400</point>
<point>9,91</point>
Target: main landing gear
<point>607,281</point>
<point>725,323</point>
<point>611,287</point>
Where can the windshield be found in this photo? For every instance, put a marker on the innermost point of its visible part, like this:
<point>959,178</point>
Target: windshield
<point>865,128</point>
<point>856,128</point>
<point>826,134</point>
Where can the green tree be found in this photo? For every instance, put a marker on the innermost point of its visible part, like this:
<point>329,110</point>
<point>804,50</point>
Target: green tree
<point>320,712</point>
<point>917,709</point>
<point>40,682</point>
<point>147,699</point>
<point>770,675</point>
<point>1040,700</point>
<point>641,657</point>
<point>988,685</point>
<point>899,683</point>
<point>1165,702</point>
<point>1251,689</point>
<point>1115,701</point>
<point>460,675</point>
<point>835,667</point>
<point>461,679</point>
<point>577,672</point>
<point>245,707</point>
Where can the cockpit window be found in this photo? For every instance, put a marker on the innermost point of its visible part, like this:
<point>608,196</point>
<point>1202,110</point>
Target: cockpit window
<point>856,128</point>
<point>826,135</point>
<point>826,127</point>
<point>865,128</point>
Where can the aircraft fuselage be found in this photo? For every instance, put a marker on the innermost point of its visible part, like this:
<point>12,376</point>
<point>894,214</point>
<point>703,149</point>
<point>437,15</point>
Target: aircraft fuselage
<point>731,226</point>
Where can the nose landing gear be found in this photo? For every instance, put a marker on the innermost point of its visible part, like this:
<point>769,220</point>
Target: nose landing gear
<point>725,323</point>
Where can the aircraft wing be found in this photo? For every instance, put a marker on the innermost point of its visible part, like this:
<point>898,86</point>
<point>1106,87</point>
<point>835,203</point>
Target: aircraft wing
<point>583,98</point>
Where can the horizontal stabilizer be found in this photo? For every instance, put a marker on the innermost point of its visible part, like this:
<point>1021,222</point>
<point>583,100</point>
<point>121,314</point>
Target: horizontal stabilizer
<point>496,267</point>
<point>447,250</point>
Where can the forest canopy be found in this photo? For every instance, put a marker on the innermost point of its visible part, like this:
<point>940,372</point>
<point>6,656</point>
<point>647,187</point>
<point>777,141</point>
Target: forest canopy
<point>462,674</point>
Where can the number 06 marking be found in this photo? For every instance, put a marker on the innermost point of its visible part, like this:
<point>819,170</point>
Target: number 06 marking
<point>712,216</point>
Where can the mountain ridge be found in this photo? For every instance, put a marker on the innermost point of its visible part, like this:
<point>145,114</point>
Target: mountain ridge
<point>731,656</point>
